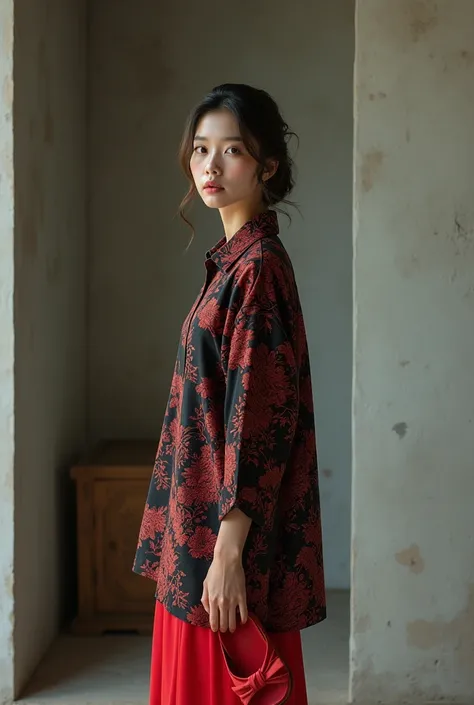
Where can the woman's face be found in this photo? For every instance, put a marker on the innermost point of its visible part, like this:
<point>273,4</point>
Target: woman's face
<point>224,172</point>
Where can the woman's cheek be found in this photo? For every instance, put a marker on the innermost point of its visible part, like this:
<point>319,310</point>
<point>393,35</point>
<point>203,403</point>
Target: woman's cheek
<point>194,168</point>
<point>241,172</point>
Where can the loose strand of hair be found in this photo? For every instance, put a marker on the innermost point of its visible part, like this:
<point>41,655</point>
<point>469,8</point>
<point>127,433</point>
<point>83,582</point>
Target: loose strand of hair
<point>188,198</point>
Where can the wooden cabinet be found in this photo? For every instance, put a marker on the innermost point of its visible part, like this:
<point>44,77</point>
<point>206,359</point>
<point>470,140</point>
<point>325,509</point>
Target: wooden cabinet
<point>111,487</point>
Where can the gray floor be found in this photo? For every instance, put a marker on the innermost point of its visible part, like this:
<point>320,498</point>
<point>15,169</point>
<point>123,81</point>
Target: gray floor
<point>326,654</point>
<point>113,670</point>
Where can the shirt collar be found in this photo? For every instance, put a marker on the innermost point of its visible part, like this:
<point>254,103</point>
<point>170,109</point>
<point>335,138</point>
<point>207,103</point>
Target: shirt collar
<point>225,253</point>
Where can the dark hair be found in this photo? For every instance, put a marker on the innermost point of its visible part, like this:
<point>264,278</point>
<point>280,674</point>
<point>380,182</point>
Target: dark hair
<point>263,130</point>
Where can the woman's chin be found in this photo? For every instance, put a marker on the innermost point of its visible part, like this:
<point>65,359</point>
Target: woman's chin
<point>216,200</point>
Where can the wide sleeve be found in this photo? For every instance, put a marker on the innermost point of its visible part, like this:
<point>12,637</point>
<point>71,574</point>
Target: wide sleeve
<point>261,403</point>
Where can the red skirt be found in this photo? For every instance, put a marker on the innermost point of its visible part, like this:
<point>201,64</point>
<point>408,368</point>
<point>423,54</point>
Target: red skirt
<point>187,667</point>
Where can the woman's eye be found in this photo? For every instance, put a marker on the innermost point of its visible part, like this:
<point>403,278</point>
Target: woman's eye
<point>234,150</point>
<point>198,148</point>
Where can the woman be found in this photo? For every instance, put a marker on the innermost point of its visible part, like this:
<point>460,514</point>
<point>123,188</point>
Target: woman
<point>232,520</point>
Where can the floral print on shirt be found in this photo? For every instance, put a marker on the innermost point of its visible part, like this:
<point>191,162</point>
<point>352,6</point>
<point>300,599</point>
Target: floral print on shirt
<point>239,432</point>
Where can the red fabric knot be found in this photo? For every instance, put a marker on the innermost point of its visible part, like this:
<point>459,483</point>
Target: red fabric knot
<point>273,672</point>
<point>257,680</point>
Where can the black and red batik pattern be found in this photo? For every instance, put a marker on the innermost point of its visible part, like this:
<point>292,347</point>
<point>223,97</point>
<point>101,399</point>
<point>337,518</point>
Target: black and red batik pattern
<point>239,432</point>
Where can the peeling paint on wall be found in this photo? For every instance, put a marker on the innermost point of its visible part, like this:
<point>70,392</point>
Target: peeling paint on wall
<point>456,637</point>
<point>380,95</point>
<point>412,558</point>
<point>372,688</point>
<point>371,163</point>
<point>461,236</point>
<point>362,624</point>
<point>467,57</point>
<point>400,429</point>
<point>423,17</point>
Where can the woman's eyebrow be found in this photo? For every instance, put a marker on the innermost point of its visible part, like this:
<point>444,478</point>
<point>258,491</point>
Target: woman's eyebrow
<point>223,139</point>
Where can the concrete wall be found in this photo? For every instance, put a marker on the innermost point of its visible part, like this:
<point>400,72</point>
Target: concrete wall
<point>6,351</point>
<point>50,150</point>
<point>413,412</point>
<point>147,69</point>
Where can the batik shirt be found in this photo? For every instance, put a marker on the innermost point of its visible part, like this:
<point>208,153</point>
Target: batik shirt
<point>239,432</point>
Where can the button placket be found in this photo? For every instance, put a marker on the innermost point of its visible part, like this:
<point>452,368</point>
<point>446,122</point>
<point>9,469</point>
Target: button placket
<point>210,273</point>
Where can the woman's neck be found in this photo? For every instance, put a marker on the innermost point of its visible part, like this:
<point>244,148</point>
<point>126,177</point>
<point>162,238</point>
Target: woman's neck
<point>234,219</point>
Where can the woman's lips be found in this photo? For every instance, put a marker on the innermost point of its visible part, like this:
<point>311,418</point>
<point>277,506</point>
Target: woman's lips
<point>213,189</point>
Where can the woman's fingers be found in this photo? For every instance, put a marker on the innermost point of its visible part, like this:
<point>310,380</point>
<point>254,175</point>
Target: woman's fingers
<point>214,615</point>
<point>243,609</point>
<point>224,592</point>
<point>232,618</point>
<point>223,615</point>
<point>211,608</point>
<point>205,598</point>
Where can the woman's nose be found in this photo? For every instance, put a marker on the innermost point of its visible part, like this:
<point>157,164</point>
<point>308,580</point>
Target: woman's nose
<point>212,167</point>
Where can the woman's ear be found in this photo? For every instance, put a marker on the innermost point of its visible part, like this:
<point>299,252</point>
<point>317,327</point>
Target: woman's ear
<point>270,169</point>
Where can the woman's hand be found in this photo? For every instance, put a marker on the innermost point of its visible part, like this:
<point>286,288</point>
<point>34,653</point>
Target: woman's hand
<point>224,592</point>
<point>224,586</point>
